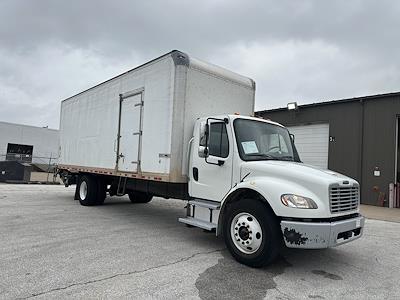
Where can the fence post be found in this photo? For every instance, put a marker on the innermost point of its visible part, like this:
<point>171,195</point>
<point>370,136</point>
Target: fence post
<point>48,168</point>
<point>392,194</point>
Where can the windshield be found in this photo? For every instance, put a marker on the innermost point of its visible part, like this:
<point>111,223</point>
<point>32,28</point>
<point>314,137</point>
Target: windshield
<point>262,141</point>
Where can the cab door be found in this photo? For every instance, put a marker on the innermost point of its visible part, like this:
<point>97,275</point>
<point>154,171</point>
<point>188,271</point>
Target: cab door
<point>211,160</point>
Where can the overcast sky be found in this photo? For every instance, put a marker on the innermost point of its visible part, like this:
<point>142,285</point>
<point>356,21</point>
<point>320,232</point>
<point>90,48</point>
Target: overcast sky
<point>304,51</point>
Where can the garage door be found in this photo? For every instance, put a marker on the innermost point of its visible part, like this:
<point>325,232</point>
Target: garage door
<point>312,143</point>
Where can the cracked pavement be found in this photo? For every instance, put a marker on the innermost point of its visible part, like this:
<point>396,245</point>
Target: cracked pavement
<point>51,247</point>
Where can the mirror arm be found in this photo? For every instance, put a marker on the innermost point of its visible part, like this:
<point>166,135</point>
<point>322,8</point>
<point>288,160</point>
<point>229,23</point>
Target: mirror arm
<point>220,162</point>
<point>206,133</point>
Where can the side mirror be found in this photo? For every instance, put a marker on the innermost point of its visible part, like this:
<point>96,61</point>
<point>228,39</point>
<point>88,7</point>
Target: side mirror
<point>291,137</point>
<point>202,129</point>
<point>203,152</point>
<point>204,132</point>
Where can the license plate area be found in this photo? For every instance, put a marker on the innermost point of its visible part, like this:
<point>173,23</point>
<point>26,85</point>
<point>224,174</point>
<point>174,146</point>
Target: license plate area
<point>345,235</point>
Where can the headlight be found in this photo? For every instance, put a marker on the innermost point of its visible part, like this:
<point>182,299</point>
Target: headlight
<point>297,201</point>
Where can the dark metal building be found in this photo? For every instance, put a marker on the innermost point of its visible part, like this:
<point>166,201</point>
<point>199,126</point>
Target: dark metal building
<point>363,140</point>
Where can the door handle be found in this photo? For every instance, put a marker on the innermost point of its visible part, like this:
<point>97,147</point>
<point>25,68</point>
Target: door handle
<point>195,174</point>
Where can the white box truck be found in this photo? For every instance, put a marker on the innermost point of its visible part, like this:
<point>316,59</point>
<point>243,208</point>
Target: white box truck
<point>177,127</point>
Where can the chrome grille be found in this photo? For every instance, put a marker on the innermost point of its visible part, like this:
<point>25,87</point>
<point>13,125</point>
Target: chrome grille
<point>343,198</point>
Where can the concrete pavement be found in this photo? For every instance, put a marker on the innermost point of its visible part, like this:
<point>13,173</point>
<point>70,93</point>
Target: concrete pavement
<point>51,247</point>
<point>381,213</point>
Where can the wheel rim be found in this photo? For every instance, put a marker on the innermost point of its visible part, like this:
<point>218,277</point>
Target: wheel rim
<point>246,233</point>
<point>83,190</point>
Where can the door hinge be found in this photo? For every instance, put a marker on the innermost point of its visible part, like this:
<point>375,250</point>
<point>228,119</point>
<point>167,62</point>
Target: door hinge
<point>139,104</point>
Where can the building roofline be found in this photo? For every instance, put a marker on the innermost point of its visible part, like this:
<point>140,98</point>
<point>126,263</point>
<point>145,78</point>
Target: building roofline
<point>329,102</point>
<point>24,125</point>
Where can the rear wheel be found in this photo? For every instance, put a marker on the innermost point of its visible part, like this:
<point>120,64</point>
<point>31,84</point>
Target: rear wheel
<point>140,197</point>
<point>252,233</point>
<point>90,191</point>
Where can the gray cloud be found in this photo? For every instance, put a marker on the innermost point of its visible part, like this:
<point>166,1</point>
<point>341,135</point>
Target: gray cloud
<point>295,50</point>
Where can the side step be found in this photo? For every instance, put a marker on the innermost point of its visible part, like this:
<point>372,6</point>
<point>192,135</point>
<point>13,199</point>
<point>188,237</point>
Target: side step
<point>198,223</point>
<point>205,203</point>
<point>202,213</point>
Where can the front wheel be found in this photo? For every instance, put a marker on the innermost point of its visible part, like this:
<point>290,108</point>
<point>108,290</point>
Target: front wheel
<point>251,232</point>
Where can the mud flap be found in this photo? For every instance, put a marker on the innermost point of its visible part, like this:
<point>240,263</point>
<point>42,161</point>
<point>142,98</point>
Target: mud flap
<point>78,179</point>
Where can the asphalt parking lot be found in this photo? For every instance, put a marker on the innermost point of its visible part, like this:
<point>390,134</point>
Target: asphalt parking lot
<point>51,247</point>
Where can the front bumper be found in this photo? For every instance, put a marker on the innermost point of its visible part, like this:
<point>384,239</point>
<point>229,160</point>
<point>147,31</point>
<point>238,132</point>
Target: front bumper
<point>314,235</point>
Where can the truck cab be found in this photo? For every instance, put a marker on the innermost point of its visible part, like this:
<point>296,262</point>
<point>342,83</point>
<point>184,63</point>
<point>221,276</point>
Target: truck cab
<point>247,182</point>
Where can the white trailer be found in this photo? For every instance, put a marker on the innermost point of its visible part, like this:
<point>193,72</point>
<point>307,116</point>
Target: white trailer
<point>139,123</point>
<point>178,127</point>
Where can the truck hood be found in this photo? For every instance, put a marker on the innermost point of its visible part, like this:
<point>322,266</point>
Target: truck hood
<point>293,171</point>
<point>274,178</point>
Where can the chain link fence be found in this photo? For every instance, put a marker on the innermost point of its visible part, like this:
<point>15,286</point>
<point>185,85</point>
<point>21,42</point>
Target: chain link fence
<point>42,167</point>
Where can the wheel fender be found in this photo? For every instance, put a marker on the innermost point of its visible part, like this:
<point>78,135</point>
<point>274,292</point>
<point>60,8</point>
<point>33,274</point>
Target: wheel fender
<point>268,190</point>
<point>241,189</point>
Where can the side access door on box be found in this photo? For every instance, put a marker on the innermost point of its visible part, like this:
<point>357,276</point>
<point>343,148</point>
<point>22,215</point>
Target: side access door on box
<point>130,131</point>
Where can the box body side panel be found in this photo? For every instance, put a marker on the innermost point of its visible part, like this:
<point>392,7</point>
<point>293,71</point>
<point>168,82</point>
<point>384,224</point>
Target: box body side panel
<point>89,121</point>
<point>174,96</point>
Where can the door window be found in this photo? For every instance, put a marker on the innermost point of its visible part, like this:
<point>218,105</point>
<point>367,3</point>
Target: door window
<point>218,143</point>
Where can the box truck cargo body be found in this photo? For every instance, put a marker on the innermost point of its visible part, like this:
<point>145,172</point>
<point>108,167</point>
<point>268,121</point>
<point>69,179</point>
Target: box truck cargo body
<point>139,124</point>
<point>177,127</point>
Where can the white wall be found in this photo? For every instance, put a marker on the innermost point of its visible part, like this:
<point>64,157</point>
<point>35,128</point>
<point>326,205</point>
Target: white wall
<point>44,140</point>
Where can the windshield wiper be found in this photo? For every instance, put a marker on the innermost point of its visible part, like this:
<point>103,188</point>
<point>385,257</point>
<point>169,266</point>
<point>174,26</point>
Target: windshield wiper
<point>287,157</point>
<point>270,157</point>
<point>267,156</point>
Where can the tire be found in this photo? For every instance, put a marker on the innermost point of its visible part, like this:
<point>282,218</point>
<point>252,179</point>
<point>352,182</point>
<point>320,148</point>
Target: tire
<point>140,197</point>
<point>252,233</point>
<point>89,191</point>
